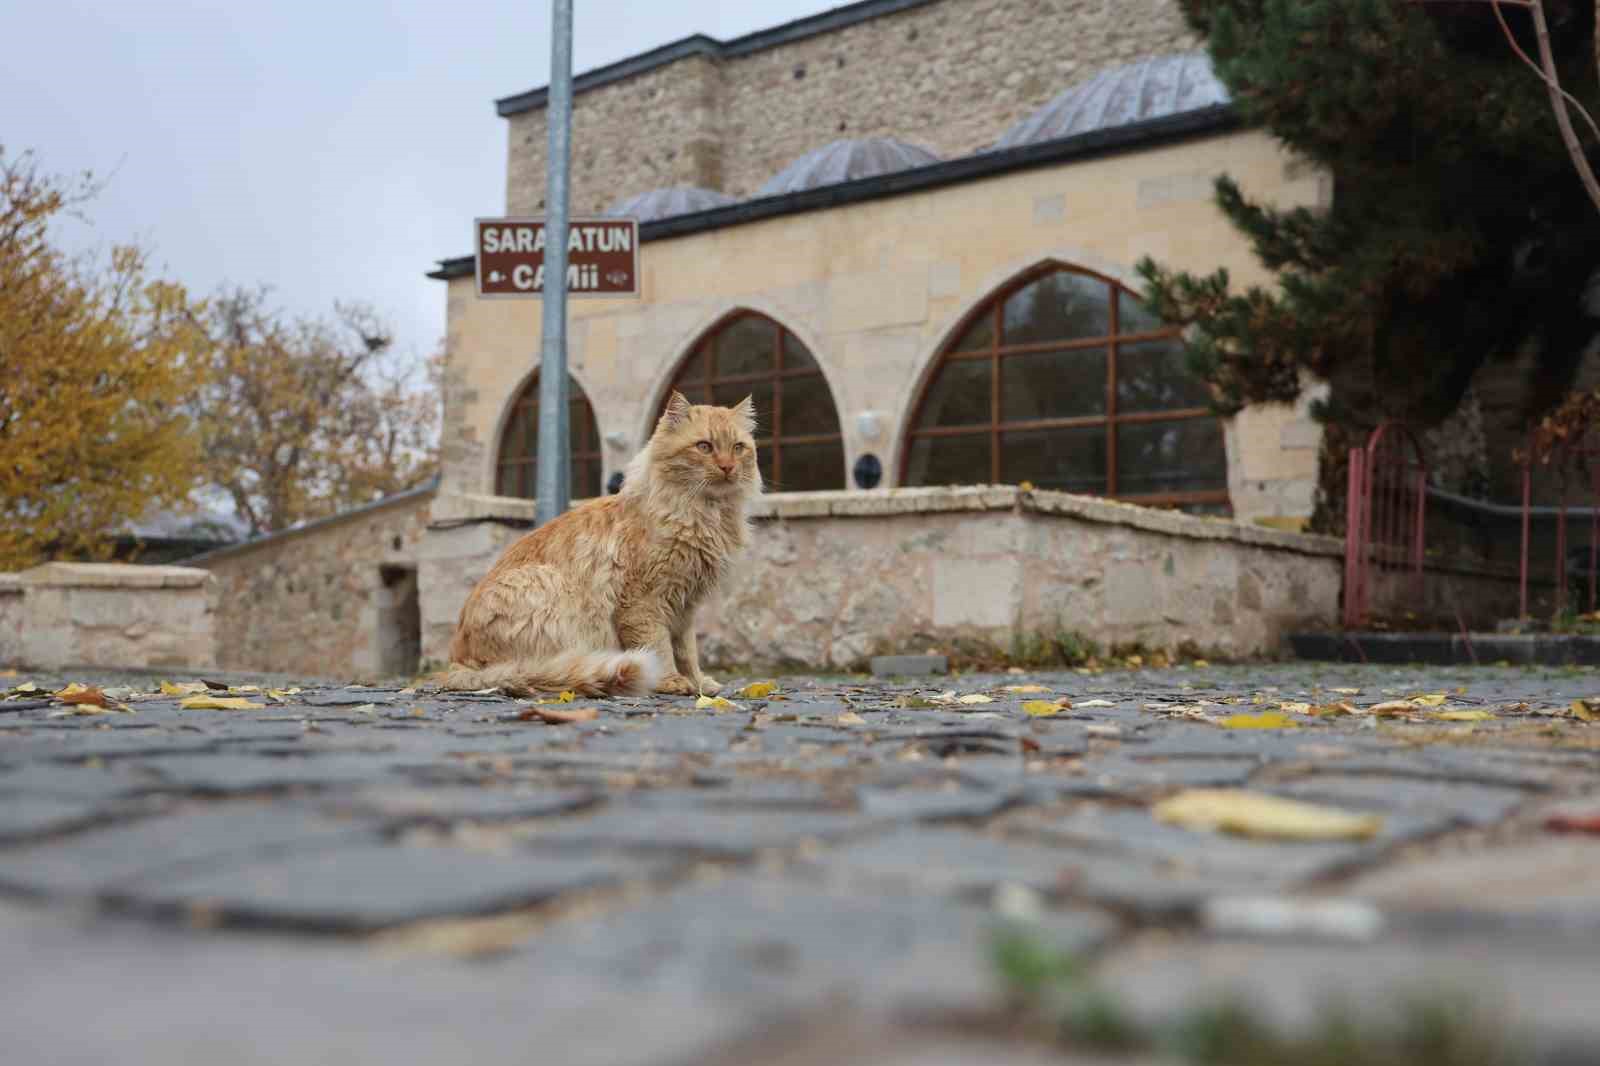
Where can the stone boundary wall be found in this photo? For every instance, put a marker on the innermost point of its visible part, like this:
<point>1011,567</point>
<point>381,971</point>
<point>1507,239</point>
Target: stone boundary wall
<point>834,577</point>
<point>314,601</point>
<point>107,614</point>
<point>950,76</point>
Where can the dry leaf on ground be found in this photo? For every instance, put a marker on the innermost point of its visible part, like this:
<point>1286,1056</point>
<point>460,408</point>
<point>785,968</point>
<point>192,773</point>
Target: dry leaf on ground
<point>1096,703</point>
<point>219,703</point>
<point>185,688</point>
<point>716,703</point>
<point>1393,708</point>
<point>1572,823</point>
<point>850,718</point>
<point>1264,720</point>
<point>561,717</point>
<point>1255,814</point>
<point>1332,710</point>
<point>1024,689</point>
<point>1295,708</point>
<point>1473,715</point>
<point>1045,708</point>
<point>1433,700</point>
<point>758,689</point>
<point>83,694</point>
<point>1581,710</point>
<point>975,697</point>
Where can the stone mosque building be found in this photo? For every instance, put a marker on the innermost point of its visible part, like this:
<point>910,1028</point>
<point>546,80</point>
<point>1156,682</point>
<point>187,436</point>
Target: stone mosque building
<point>908,227</point>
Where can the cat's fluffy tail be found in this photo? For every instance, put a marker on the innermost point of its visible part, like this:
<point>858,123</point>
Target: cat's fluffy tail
<point>587,673</point>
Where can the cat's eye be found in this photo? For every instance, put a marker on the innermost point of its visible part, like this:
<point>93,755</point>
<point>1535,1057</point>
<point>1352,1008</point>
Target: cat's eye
<point>704,446</point>
<point>738,445</point>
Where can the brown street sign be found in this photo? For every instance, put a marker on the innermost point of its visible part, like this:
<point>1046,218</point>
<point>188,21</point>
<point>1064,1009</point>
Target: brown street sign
<point>602,256</point>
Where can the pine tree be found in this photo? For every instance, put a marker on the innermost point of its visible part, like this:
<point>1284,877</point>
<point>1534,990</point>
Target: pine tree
<point>1458,230</point>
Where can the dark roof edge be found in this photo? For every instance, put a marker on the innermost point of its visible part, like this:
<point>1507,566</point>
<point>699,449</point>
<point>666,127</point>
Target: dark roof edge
<point>427,488</point>
<point>701,44</point>
<point>1167,129</point>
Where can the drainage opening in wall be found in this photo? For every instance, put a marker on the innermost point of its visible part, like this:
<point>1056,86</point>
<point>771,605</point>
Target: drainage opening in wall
<point>399,636</point>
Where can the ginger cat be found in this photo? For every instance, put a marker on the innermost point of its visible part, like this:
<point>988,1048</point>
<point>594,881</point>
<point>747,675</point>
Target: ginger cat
<point>602,599</point>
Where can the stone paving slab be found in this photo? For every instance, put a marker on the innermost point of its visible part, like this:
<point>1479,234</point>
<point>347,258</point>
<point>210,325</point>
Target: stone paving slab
<point>96,862</point>
<point>737,882</point>
<point>364,886</point>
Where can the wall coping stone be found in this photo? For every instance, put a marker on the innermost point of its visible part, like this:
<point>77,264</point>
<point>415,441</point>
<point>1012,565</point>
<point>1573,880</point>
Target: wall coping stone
<point>421,492</point>
<point>10,584</point>
<point>111,575</point>
<point>465,507</point>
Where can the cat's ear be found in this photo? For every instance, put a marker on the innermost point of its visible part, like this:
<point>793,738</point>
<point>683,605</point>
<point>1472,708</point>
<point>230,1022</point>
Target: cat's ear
<point>746,410</point>
<point>677,410</point>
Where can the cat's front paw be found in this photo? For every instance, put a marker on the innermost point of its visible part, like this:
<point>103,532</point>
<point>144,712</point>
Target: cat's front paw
<point>676,685</point>
<point>708,685</point>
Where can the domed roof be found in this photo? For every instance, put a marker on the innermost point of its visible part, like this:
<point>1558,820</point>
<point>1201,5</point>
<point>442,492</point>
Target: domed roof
<point>846,160</point>
<point>665,203</point>
<point>1150,88</point>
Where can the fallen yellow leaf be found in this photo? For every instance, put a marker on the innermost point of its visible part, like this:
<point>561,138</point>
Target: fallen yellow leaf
<point>1433,700</point>
<point>82,694</point>
<point>567,697</point>
<point>975,697</point>
<point>219,703</point>
<point>1582,711</point>
<point>1393,708</point>
<point>241,689</point>
<point>1462,716</point>
<point>850,718</point>
<point>1045,708</point>
<point>1330,710</point>
<point>564,717</point>
<point>184,689</point>
<point>716,703</point>
<point>1295,708</point>
<point>1022,689</point>
<point>1264,720</point>
<point>757,689</point>
<point>1200,664</point>
<point>1255,814</point>
<point>281,694</point>
<point>26,686</point>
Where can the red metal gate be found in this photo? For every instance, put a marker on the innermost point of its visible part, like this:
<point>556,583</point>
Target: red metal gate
<point>1384,508</point>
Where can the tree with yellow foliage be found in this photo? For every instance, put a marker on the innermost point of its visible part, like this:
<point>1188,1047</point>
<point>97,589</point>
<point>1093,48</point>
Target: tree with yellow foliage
<point>98,361</point>
<point>303,417</point>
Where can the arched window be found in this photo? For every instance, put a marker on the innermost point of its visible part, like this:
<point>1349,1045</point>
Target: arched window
<point>798,442</point>
<point>514,472</point>
<point>1067,381</point>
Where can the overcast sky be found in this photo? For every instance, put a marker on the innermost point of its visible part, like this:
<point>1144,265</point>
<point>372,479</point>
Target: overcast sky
<point>332,150</point>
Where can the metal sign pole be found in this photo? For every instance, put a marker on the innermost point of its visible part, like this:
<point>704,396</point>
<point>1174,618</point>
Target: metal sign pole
<point>554,488</point>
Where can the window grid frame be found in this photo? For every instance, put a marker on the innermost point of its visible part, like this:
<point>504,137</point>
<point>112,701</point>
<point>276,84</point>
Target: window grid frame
<point>996,350</point>
<point>773,439</point>
<point>527,402</point>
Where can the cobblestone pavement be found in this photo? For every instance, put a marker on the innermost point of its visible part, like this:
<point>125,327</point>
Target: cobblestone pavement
<point>814,876</point>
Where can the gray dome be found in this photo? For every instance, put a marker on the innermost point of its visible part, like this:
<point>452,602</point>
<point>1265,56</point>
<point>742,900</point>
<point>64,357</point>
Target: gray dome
<point>665,203</point>
<point>1150,88</point>
<point>846,161</point>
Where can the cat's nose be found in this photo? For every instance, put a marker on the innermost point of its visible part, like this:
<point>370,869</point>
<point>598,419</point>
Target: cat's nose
<point>726,468</point>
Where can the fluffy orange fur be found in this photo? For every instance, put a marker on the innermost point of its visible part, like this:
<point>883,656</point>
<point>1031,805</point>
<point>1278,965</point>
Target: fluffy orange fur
<point>601,600</point>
